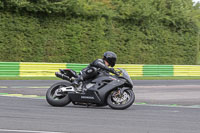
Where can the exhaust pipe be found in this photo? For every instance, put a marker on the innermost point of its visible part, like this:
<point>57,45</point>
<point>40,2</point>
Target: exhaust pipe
<point>62,76</point>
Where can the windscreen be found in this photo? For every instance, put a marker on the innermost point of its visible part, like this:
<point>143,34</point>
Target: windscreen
<point>126,76</point>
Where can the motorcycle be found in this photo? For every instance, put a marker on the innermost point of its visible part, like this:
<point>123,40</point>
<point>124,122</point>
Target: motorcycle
<point>116,91</point>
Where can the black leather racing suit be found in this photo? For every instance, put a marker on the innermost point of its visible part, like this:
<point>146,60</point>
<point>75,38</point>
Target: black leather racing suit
<point>96,67</point>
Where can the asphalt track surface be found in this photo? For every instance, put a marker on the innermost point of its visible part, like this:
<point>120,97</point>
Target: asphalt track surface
<point>31,115</point>
<point>180,92</point>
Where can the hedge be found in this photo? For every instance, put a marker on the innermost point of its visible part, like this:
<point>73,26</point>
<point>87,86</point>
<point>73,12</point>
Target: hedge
<point>79,31</point>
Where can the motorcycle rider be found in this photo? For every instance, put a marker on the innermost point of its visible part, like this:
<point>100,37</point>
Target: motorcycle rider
<point>96,67</point>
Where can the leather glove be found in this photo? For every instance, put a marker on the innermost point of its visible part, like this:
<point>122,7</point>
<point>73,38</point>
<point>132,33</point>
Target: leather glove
<point>112,70</point>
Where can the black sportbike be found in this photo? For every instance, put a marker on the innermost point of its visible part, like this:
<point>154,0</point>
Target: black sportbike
<point>113,90</point>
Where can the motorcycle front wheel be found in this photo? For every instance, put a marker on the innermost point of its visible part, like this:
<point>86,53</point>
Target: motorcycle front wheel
<point>55,99</point>
<point>121,101</point>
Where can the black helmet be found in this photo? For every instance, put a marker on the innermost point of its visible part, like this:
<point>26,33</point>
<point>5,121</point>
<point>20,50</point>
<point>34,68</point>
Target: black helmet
<point>110,57</point>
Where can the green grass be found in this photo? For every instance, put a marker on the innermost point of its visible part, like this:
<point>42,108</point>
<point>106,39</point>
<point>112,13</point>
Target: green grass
<point>133,78</point>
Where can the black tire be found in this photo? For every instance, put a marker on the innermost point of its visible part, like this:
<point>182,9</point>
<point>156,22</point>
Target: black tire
<point>111,103</point>
<point>57,101</point>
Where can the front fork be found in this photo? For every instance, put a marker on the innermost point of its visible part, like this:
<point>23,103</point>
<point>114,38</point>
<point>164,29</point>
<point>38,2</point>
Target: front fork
<point>120,91</point>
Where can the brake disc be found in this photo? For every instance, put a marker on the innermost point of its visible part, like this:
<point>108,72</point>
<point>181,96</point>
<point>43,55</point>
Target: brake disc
<point>122,98</point>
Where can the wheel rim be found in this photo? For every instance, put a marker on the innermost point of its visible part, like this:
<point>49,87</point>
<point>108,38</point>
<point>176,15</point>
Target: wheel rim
<point>54,93</point>
<point>120,99</point>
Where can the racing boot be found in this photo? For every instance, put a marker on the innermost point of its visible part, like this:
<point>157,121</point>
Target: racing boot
<point>77,81</point>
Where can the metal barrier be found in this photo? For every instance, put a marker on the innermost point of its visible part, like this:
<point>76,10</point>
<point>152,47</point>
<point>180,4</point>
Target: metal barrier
<point>32,69</point>
<point>9,69</point>
<point>40,69</point>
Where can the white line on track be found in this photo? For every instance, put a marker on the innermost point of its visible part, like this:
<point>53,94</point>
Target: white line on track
<point>26,131</point>
<point>170,106</point>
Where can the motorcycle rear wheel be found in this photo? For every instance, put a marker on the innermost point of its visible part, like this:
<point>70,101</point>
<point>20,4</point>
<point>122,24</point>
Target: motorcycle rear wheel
<point>57,101</point>
<point>123,102</point>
